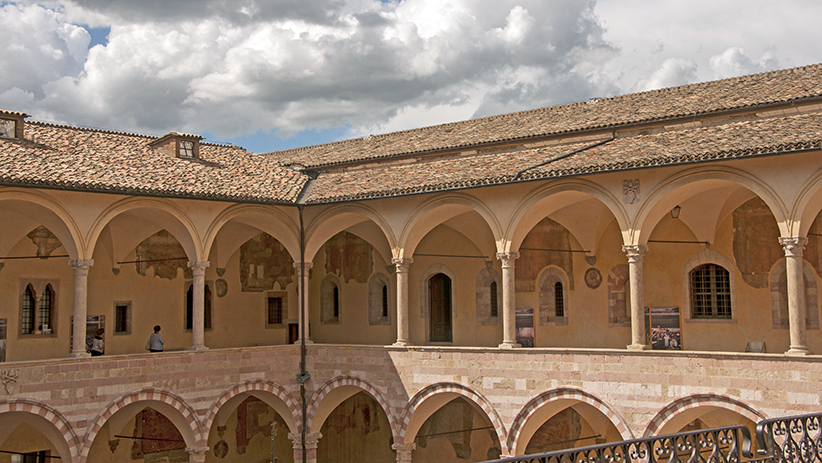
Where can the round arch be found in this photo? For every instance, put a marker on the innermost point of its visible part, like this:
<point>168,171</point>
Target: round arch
<point>182,227</point>
<point>273,221</point>
<point>684,410</point>
<point>336,391</point>
<point>339,217</point>
<point>421,220</point>
<point>54,217</point>
<point>663,198</point>
<point>170,405</point>
<point>431,398</point>
<point>274,395</point>
<point>542,407</point>
<point>51,423</point>
<point>537,205</point>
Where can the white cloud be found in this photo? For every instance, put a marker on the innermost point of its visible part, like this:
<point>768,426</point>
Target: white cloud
<point>672,72</point>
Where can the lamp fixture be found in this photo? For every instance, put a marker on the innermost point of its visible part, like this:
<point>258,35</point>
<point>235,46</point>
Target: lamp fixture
<point>675,212</point>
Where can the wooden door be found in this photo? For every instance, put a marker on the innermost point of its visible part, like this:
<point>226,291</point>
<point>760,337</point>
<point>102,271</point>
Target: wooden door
<point>439,290</point>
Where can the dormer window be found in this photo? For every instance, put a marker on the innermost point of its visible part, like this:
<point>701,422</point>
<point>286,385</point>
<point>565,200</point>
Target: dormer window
<point>11,124</point>
<point>179,145</point>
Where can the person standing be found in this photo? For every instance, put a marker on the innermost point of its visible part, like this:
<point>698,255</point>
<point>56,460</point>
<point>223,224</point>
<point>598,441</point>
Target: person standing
<point>155,341</point>
<point>98,346</point>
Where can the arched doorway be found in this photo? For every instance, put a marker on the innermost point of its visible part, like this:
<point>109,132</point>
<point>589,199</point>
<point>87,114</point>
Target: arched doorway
<point>439,292</point>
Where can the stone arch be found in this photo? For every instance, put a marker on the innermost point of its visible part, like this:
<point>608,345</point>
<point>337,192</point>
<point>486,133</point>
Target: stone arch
<point>180,226</point>
<point>269,392</point>
<point>541,203</point>
<point>548,279</point>
<point>666,196</point>
<point>338,218</point>
<point>48,421</point>
<point>54,217</point>
<point>542,407</point>
<point>336,391</point>
<point>422,220</point>
<point>779,295</point>
<point>678,412</point>
<point>172,406</point>
<point>430,398</point>
<point>707,256</point>
<point>270,220</point>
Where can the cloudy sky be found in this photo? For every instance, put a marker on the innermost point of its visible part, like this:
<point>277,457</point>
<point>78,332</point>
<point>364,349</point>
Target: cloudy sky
<point>274,74</point>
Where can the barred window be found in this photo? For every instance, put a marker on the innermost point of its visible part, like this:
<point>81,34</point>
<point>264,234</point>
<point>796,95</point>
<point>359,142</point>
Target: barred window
<point>710,292</point>
<point>494,303</point>
<point>27,319</point>
<point>122,318</point>
<point>44,320</point>
<point>275,310</point>
<point>559,299</point>
<point>384,300</point>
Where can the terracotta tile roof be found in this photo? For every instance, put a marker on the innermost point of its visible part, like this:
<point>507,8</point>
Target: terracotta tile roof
<point>729,141</point>
<point>656,105</point>
<point>60,156</point>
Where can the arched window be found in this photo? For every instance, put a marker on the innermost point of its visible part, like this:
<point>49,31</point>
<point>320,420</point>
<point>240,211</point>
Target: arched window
<point>379,300</point>
<point>45,310</point>
<point>710,292</point>
<point>330,300</point>
<point>559,299</point>
<point>553,297</point>
<point>493,300</point>
<point>27,318</point>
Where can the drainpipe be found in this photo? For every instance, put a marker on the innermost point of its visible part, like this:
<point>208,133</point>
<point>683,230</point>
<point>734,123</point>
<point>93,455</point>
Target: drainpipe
<point>303,376</point>
<point>563,156</point>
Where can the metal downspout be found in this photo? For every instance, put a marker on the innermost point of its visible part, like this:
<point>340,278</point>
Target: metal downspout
<point>563,156</point>
<point>303,376</point>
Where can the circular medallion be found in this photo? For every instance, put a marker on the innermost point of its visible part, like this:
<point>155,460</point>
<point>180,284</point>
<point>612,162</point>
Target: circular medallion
<point>593,278</point>
<point>221,286</point>
<point>221,449</point>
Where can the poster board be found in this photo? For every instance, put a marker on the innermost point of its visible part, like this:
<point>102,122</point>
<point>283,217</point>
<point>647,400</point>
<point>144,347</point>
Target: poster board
<point>663,329</point>
<point>525,327</point>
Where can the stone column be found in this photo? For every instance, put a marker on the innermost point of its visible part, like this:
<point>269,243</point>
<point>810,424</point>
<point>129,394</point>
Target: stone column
<point>197,455</point>
<point>303,283</point>
<point>796,292</point>
<point>312,440</point>
<point>78,327</point>
<point>403,330</point>
<point>635,253</point>
<point>198,304</point>
<point>509,300</point>
<point>404,452</point>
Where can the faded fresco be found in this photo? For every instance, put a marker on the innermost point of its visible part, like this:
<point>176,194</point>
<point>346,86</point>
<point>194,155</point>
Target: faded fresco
<point>264,261</point>
<point>156,439</point>
<point>550,235</point>
<point>755,242</point>
<point>162,252</point>
<point>45,241</point>
<point>356,431</point>
<point>458,424</point>
<point>349,257</point>
<point>562,431</point>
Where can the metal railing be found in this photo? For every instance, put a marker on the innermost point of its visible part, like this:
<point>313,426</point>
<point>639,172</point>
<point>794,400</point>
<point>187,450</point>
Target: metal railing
<point>795,439</point>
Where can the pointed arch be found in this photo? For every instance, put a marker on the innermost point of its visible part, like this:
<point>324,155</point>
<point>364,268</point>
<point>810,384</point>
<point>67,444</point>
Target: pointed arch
<point>334,392</point>
<point>545,405</point>
<point>274,395</point>
<point>431,398</point>
<point>676,411</point>
<point>663,198</point>
<point>180,226</point>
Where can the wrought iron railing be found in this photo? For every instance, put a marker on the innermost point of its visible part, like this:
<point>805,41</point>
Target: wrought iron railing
<point>795,439</point>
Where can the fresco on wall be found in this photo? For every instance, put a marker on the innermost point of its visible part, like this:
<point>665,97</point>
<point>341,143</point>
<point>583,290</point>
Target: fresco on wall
<point>264,261</point>
<point>45,241</point>
<point>356,431</point>
<point>156,439</point>
<point>547,234</point>
<point>560,432</point>
<point>458,423</point>
<point>253,417</point>
<point>162,252</point>
<point>349,257</point>
<point>756,242</point>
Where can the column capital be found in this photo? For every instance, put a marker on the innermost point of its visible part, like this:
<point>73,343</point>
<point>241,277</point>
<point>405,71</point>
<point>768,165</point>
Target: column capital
<point>306,265</point>
<point>312,440</point>
<point>635,252</point>
<point>404,452</point>
<point>793,245</point>
<point>402,263</point>
<point>196,454</point>
<point>198,266</point>
<point>507,258</point>
<point>81,266</point>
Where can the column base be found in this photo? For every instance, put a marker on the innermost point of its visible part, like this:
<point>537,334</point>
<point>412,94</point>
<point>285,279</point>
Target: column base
<point>400,343</point>
<point>798,352</point>
<point>638,347</point>
<point>197,348</point>
<point>509,345</point>
<point>79,355</point>
<point>307,341</point>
